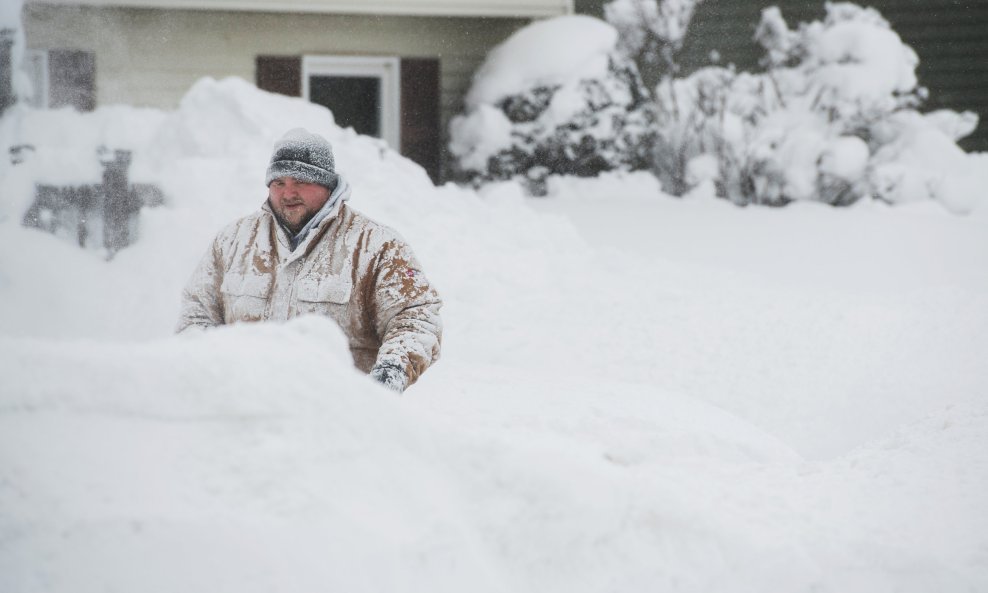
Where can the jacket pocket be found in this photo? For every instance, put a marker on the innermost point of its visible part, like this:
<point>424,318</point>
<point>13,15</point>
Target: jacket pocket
<point>334,289</point>
<point>328,296</point>
<point>245,297</point>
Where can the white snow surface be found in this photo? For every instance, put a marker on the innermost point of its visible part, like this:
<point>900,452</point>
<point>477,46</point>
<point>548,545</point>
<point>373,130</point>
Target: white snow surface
<point>637,393</point>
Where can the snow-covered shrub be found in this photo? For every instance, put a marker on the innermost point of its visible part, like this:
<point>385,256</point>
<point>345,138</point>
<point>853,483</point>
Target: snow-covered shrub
<point>556,97</point>
<point>917,158</point>
<point>828,120</point>
<point>832,116</point>
<point>759,148</point>
<point>651,31</point>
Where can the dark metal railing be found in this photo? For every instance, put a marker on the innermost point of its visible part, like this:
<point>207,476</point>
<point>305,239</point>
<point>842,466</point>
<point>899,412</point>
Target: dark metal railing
<point>78,210</point>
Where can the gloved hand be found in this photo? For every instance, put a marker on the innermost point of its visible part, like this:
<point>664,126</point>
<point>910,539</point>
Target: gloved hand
<point>391,375</point>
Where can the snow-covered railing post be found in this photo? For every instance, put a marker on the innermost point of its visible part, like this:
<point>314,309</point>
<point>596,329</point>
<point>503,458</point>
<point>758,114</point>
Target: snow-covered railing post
<point>6,69</point>
<point>120,204</point>
<point>19,153</point>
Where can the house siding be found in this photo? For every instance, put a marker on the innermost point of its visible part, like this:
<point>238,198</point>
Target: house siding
<point>151,57</point>
<point>949,36</point>
<point>499,8</point>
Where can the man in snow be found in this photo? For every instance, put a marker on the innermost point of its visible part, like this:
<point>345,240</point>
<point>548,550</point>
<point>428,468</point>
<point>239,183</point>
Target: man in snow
<point>306,251</point>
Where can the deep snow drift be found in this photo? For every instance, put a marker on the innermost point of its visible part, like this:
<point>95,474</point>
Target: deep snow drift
<point>636,392</point>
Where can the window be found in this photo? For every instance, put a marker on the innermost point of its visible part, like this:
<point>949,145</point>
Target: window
<point>61,78</point>
<point>363,92</point>
<point>72,79</point>
<point>36,68</point>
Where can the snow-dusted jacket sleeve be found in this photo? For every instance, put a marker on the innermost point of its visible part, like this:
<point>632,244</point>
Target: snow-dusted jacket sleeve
<point>202,306</point>
<point>406,309</point>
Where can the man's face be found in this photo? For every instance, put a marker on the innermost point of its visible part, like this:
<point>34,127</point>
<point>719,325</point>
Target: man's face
<point>296,202</point>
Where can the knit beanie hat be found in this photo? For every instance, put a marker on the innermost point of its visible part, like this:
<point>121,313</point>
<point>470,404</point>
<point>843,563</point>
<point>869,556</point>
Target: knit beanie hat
<point>304,156</point>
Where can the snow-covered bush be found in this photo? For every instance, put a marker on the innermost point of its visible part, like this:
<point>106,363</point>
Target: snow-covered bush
<point>757,144</point>
<point>651,31</point>
<point>831,119</point>
<point>556,97</point>
<point>832,116</point>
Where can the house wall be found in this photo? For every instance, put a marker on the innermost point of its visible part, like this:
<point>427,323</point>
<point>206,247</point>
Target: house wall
<point>950,37</point>
<point>150,57</point>
<point>503,8</point>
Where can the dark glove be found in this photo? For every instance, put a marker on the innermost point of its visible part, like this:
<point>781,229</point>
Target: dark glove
<point>391,375</point>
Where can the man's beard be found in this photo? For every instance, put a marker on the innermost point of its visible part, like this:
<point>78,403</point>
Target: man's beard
<point>280,214</point>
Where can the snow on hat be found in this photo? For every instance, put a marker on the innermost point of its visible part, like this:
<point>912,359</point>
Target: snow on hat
<point>304,156</point>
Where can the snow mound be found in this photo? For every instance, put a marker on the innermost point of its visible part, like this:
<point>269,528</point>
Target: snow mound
<point>680,406</point>
<point>255,456</point>
<point>209,158</point>
<point>250,457</point>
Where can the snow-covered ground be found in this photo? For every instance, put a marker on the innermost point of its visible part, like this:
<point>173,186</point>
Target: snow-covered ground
<point>637,392</point>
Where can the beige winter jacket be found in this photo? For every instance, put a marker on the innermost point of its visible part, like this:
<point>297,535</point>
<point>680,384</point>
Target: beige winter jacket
<point>349,268</point>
